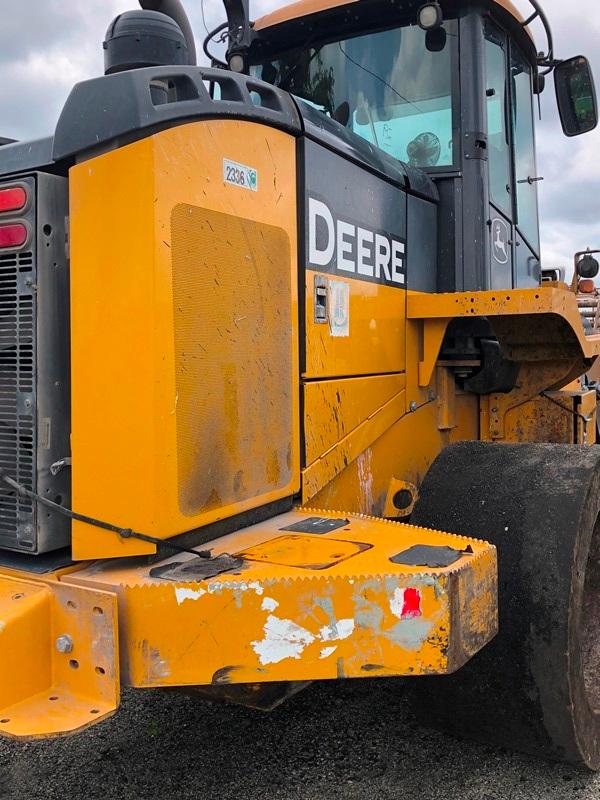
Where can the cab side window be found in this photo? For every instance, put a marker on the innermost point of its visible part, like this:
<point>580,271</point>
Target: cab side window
<point>524,139</point>
<point>497,117</point>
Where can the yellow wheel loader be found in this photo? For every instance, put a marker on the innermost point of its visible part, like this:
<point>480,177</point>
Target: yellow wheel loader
<point>283,397</point>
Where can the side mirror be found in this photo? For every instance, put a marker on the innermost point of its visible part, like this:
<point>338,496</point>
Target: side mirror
<point>576,96</point>
<point>586,266</point>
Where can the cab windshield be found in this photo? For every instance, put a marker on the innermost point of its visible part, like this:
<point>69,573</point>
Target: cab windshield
<point>393,88</point>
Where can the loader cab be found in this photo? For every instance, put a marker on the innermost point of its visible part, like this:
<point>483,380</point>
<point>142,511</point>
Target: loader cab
<point>453,96</point>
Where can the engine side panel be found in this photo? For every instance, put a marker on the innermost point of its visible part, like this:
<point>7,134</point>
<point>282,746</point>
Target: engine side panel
<point>184,331</point>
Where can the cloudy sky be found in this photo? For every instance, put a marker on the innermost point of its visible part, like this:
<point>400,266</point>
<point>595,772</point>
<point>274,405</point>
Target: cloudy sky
<point>48,45</point>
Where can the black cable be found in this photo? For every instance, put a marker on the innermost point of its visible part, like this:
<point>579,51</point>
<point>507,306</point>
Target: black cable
<point>379,78</point>
<point>124,533</point>
<point>208,40</point>
<point>203,17</point>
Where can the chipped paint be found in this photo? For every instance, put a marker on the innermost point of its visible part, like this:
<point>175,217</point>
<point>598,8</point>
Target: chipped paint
<point>283,639</point>
<point>268,604</point>
<point>156,667</point>
<point>410,634</point>
<point>327,651</point>
<point>337,632</point>
<point>365,479</point>
<point>182,594</point>
<point>286,639</point>
<point>397,602</point>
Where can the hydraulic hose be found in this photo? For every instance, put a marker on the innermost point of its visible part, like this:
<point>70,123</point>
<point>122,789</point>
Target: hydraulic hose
<point>175,10</point>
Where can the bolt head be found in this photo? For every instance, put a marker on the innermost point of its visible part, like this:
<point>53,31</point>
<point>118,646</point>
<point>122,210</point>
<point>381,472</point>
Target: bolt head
<point>413,405</point>
<point>64,644</point>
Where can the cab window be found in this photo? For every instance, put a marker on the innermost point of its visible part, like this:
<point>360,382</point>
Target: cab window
<point>496,63</point>
<point>390,87</point>
<point>524,139</point>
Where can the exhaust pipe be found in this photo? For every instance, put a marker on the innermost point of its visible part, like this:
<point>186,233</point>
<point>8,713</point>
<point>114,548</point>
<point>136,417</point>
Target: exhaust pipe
<point>175,10</point>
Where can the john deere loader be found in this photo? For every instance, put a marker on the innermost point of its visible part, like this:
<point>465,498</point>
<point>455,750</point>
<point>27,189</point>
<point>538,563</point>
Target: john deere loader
<point>283,396</point>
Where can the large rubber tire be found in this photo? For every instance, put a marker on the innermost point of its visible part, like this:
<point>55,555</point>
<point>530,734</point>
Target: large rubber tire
<point>536,686</point>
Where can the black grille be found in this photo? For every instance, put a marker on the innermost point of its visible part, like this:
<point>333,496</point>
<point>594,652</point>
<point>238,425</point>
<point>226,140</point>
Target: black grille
<point>17,434</point>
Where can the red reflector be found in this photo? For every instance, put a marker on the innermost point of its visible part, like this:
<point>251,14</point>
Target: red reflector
<point>12,235</point>
<point>12,199</point>
<point>411,606</point>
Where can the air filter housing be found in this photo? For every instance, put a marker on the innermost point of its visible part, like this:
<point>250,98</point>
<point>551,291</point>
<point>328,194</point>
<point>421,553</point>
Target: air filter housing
<point>138,39</point>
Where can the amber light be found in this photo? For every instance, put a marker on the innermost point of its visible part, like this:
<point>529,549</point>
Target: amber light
<point>12,235</point>
<point>12,199</point>
<point>586,286</point>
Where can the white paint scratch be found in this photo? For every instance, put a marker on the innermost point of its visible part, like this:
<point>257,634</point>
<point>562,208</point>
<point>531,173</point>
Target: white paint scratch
<point>268,604</point>
<point>328,651</point>
<point>283,639</point>
<point>397,602</point>
<point>183,594</point>
<point>337,632</point>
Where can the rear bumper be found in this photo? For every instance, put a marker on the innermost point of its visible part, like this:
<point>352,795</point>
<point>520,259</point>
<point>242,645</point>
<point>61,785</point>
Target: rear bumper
<point>292,606</point>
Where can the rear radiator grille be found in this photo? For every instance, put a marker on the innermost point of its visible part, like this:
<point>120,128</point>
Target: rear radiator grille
<point>17,434</point>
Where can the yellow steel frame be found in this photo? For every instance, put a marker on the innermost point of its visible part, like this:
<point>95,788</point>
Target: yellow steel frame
<point>60,655</point>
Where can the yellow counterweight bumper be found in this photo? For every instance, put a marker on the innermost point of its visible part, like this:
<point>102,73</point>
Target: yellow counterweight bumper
<point>304,596</point>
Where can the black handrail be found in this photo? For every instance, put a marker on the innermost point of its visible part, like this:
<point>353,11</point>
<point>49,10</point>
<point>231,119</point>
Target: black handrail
<point>548,59</point>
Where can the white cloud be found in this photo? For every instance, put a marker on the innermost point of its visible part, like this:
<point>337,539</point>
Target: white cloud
<point>48,45</point>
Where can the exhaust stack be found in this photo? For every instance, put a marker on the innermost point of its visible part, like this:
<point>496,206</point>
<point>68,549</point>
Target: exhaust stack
<point>175,10</point>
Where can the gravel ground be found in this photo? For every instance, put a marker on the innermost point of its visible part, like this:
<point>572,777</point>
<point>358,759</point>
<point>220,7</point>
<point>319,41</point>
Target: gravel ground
<point>354,740</point>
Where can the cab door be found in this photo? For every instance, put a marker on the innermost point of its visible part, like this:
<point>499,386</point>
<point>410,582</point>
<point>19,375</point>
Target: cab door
<point>513,210</point>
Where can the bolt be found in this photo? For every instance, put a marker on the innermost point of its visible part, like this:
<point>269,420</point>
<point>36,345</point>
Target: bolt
<point>64,644</point>
<point>413,405</point>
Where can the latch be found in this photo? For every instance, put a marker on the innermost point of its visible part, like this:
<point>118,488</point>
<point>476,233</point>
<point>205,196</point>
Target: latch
<point>321,300</point>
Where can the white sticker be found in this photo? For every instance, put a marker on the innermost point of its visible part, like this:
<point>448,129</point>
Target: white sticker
<point>240,175</point>
<point>339,308</point>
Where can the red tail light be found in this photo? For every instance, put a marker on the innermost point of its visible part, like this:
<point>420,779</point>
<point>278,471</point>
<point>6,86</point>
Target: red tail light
<point>13,235</point>
<point>12,199</point>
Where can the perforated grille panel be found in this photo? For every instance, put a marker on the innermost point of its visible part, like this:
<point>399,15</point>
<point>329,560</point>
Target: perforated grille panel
<point>233,340</point>
<point>34,368</point>
<point>17,430</point>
